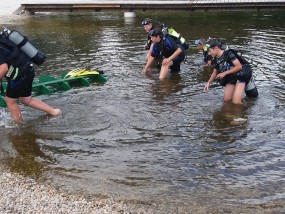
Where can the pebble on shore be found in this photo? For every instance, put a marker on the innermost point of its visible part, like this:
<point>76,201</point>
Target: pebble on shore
<point>23,195</point>
<point>20,194</point>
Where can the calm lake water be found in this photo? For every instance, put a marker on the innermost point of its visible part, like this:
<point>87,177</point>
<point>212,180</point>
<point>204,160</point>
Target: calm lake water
<point>162,146</point>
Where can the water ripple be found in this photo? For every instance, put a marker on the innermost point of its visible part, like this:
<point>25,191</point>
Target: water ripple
<point>145,141</point>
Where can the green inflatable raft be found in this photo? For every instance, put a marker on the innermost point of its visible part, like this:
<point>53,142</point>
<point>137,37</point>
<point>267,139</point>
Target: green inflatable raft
<point>46,84</point>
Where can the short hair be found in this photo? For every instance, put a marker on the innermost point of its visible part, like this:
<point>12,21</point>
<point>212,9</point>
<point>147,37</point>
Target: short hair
<point>215,42</point>
<point>155,32</point>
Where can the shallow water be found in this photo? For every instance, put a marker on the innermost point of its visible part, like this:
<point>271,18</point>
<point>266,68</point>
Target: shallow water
<point>158,145</point>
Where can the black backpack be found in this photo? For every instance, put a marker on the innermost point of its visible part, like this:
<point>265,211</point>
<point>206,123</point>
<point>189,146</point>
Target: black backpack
<point>238,55</point>
<point>169,31</point>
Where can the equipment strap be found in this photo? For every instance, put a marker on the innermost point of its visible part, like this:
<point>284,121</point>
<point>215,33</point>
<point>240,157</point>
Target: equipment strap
<point>22,43</point>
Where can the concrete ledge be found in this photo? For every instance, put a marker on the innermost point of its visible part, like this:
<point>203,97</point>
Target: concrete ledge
<point>154,5</point>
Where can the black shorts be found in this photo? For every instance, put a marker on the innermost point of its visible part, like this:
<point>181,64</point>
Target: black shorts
<point>230,78</point>
<point>21,87</point>
<point>175,68</point>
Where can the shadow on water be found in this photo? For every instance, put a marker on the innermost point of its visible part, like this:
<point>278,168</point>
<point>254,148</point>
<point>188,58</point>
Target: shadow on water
<point>29,159</point>
<point>228,123</point>
<point>165,88</point>
<point>162,145</point>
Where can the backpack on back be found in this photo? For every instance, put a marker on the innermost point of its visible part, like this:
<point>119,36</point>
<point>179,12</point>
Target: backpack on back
<point>169,31</point>
<point>239,56</point>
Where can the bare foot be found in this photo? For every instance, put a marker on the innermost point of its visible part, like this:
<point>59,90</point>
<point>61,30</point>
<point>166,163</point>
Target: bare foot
<point>55,112</point>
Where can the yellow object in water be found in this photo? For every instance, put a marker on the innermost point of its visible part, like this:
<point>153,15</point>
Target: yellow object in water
<point>80,72</point>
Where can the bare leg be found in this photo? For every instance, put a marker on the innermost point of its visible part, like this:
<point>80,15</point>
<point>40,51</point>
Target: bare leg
<point>228,92</point>
<point>234,92</point>
<point>238,92</point>
<point>40,105</point>
<point>14,109</point>
<point>164,70</point>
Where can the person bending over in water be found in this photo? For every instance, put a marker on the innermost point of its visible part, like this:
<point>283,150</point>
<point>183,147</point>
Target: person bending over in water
<point>226,69</point>
<point>19,73</point>
<point>148,26</point>
<point>171,52</point>
<point>202,45</point>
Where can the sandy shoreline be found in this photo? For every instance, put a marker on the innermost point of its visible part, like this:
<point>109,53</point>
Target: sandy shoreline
<point>23,195</point>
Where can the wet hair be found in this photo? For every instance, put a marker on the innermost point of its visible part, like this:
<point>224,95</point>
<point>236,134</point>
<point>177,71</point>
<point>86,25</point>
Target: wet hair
<point>215,42</point>
<point>155,32</point>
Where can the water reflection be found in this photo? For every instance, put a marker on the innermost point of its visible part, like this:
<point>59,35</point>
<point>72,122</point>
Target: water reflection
<point>229,123</point>
<point>29,159</point>
<point>204,73</point>
<point>165,88</point>
<point>141,139</point>
<point>130,21</point>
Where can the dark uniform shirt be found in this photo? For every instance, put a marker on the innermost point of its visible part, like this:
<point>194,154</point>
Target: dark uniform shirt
<point>22,85</point>
<point>3,55</point>
<point>225,62</point>
<point>166,47</point>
